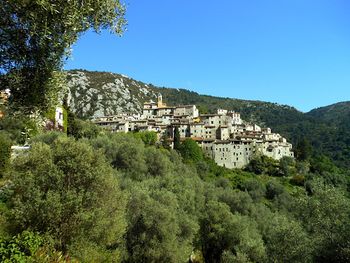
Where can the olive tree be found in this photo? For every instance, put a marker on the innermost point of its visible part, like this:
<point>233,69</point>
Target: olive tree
<point>69,192</point>
<point>35,37</point>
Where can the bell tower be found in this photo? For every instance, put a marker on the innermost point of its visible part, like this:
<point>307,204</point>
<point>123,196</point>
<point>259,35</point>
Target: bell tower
<point>160,100</point>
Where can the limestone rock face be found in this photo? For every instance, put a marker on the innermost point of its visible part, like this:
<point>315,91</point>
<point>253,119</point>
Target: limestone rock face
<point>95,94</point>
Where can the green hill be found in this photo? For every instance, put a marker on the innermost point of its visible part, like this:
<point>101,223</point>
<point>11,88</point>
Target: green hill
<point>104,93</point>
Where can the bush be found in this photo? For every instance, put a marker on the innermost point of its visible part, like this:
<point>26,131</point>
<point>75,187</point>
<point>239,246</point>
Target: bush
<point>20,248</point>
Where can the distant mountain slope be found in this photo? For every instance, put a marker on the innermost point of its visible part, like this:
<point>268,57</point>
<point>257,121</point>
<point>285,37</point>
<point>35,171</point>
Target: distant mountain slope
<point>335,139</point>
<point>333,113</point>
<point>263,113</point>
<point>104,93</point>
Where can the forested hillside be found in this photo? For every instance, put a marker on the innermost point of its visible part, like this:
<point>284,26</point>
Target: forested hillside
<point>327,129</point>
<point>96,197</point>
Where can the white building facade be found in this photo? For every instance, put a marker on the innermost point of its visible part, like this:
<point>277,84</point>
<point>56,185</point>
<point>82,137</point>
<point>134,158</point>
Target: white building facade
<point>223,136</point>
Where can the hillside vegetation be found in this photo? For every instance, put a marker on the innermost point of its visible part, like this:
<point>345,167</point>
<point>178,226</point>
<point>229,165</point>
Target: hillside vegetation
<point>92,196</point>
<point>327,128</point>
<point>95,197</point>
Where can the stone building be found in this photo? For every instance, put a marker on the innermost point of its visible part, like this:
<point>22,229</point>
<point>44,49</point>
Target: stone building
<point>223,136</point>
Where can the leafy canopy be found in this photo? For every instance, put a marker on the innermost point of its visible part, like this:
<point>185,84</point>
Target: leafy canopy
<point>69,191</point>
<point>36,35</point>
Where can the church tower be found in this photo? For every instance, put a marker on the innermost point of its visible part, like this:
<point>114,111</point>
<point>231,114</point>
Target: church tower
<point>160,101</point>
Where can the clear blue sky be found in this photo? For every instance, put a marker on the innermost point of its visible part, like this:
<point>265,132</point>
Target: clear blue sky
<point>294,52</point>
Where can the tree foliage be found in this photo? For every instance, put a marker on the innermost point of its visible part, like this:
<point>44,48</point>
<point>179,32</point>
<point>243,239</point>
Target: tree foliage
<point>148,137</point>
<point>68,191</point>
<point>222,231</point>
<point>177,143</point>
<point>303,150</point>
<point>190,150</point>
<point>5,152</point>
<point>73,191</point>
<point>81,129</point>
<point>35,36</point>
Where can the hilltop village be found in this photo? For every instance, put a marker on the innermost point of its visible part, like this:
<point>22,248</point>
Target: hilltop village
<point>223,136</point>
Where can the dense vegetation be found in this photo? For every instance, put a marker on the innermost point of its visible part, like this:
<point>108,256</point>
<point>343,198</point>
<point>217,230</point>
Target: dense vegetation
<point>96,197</point>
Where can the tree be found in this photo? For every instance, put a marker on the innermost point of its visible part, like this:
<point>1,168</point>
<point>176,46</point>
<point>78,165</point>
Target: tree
<point>19,127</point>
<point>154,232</point>
<point>81,129</point>
<point>238,201</point>
<point>125,153</point>
<point>303,150</point>
<point>256,165</point>
<point>191,151</point>
<point>221,231</point>
<point>287,166</point>
<point>35,36</point>
<point>148,137</point>
<point>255,188</point>
<point>157,163</point>
<point>326,215</point>
<point>273,189</point>
<point>70,192</point>
<point>177,143</point>
<point>5,152</point>
<point>286,240</point>
<point>165,141</point>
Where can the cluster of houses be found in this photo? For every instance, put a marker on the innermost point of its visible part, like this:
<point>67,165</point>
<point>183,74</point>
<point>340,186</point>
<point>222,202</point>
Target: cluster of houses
<point>223,136</point>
